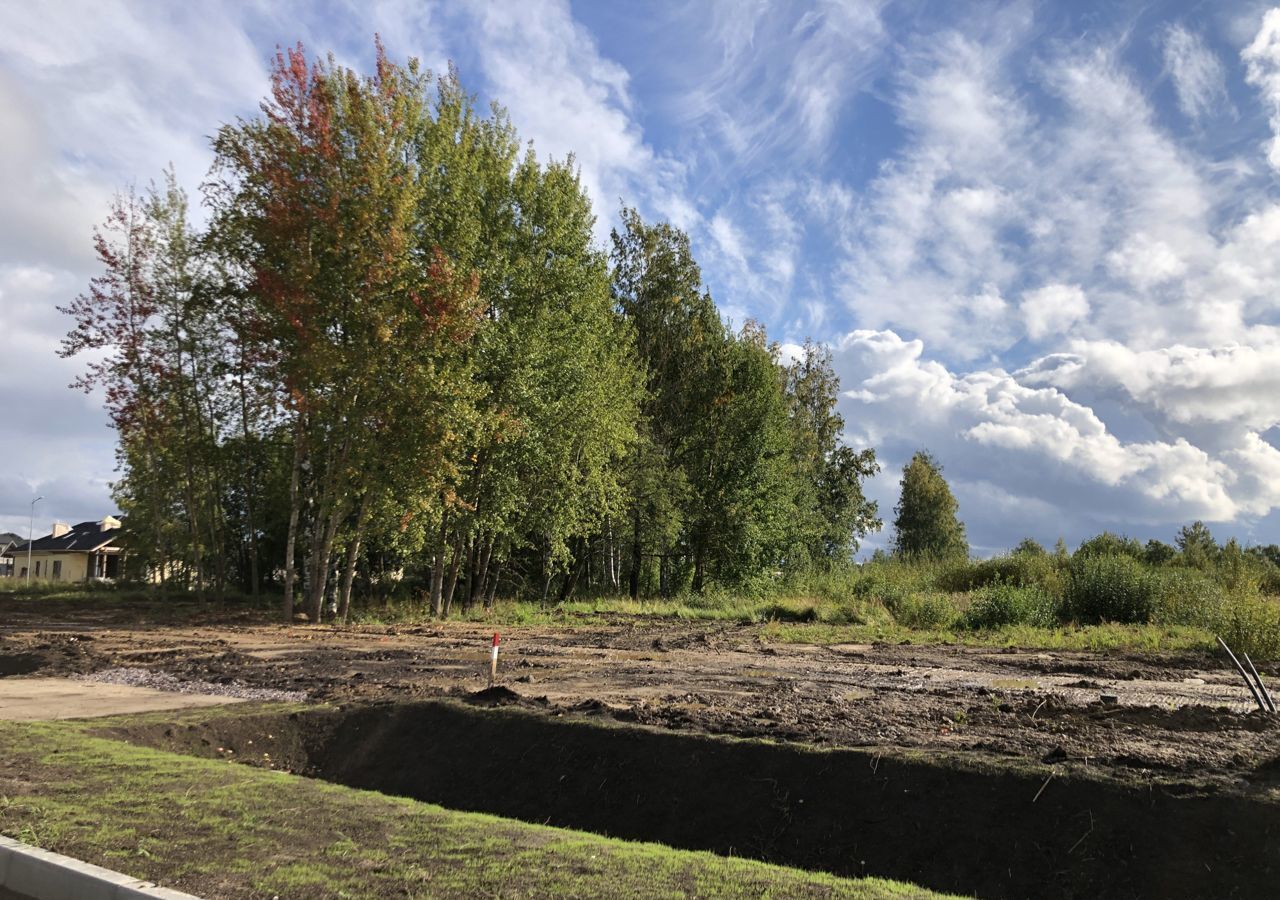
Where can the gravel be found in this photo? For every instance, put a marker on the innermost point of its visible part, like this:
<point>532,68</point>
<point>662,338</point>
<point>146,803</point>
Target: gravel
<point>163,681</point>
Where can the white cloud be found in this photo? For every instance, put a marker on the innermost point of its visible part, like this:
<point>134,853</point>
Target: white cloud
<point>1026,433</point>
<point>1051,310</point>
<point>728,239</point>
<point>1198,76</point>
<point>569,99</point>
<point>1236,384</point>
<point>1262,68</point>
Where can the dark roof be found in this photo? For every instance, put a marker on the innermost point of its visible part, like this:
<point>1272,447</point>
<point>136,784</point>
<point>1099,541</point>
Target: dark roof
<point>8,537</point>
<point>83,537</point>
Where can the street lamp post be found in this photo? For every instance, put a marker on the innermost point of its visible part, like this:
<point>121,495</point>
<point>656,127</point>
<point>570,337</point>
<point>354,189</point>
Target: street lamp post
<point>31,536</point>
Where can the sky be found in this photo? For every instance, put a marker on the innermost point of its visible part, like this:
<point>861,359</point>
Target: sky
<point>1041,239</point>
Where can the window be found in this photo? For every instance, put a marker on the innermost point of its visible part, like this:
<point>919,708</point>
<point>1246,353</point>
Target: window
<point>37,570</point>
<point>57,570</point>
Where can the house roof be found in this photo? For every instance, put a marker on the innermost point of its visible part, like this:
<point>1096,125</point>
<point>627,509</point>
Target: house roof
<point>82,538</point>
<point>8,539</point>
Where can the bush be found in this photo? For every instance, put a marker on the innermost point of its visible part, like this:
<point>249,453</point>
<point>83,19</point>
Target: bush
<point>1250,624</point>
<point>1007,604</point>
<point>1186,597</point>
<point>925,610</point>
<point>888,582</point>
<point>1110,588</point>
<point>1020,569</point>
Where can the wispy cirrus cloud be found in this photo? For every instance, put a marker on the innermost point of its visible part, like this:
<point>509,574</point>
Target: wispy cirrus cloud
<point>1197,74</point>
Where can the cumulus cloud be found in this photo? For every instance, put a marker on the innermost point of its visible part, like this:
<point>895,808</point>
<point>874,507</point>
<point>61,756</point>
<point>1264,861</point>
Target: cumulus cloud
<point>1025,432</point>
<point>1049,311</point>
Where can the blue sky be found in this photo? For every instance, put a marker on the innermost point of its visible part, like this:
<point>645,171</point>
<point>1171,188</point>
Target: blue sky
<point>1040,237</point>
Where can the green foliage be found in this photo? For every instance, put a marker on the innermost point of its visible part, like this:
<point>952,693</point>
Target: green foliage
<point>1187,596</point>
<point>1249,623</point>
<point>1018,569</point>
<point>998,605</point>
<point>831,512</point>
<point>926,610</point>
<point>926,526</point>
<point>1108,544</point>
<point>739,470</point>
<point>1109,588</point>
<point>1196,545</point>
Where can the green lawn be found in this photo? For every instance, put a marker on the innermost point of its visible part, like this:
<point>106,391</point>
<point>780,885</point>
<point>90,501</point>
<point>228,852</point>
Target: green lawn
<point>219,829</point>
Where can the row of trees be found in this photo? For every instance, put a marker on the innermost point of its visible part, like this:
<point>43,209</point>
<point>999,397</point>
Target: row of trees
<point>393,349</point>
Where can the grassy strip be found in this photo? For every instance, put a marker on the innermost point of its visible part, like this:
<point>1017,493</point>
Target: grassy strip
<point>1137,638</point>
<point>799,619</point>
<point>225,830</point>
<point>802,621</point>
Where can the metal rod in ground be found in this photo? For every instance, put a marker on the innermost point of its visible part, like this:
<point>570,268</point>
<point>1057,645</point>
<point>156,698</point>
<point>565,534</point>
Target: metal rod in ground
<point>1245,675</point>
<point>1262,688</point>
<point>493,660</point>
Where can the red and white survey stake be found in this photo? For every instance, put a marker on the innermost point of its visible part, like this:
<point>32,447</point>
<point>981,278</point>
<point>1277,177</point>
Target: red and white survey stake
<point>493,659</point>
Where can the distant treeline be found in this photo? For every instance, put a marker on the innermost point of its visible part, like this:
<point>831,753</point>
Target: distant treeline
<point>394,352</point>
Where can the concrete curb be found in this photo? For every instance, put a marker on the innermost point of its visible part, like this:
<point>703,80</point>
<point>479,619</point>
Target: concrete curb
<point>43,875</point>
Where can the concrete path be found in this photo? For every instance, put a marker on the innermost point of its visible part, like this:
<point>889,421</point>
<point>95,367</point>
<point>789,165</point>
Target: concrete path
<point>27,699</point>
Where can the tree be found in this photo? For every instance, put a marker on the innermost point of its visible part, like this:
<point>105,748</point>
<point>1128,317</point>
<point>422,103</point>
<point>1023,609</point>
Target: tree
<point>1158,553</point>
<point>837,512</point>
<point>1110,544</point>
<point>561,395</point>
<point>1029,547</point>
<point>361,328</point>
<point>926,525</point>
<point>681,343</point>
<point>1196,545</point>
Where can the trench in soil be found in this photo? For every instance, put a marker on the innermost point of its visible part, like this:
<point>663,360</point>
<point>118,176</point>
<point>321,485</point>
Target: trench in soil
<point>985,830</point>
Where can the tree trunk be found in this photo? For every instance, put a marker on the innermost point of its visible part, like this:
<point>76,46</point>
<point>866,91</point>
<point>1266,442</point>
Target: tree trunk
<point>452,581</point>
<point>575,572</point>
<point>495,574</point>
<point>635,558</point>
<point>481,583</point>
<point>250,467</point>
<point>437,567</point>
<point>295,508</point>
<point>353,553</point>
<point>320,585</point>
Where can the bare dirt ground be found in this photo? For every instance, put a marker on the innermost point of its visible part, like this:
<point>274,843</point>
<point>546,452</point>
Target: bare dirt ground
<point>1185,718</point>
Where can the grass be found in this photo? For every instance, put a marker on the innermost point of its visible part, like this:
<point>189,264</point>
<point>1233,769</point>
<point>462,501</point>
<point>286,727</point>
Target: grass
<point>1039,601</point>
<point>225,830</point>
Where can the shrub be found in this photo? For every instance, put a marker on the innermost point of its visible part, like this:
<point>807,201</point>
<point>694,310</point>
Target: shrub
<point>1186,597</point>
<point>887,582</point>
<point>1109,589</point>
<point>1020,569</point>
<point>1249,623</point>
<point>923,610</point>
<point>1007,604</point>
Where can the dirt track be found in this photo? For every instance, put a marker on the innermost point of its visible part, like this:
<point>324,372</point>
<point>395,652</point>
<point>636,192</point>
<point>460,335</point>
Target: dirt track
<point>1184,718</point>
